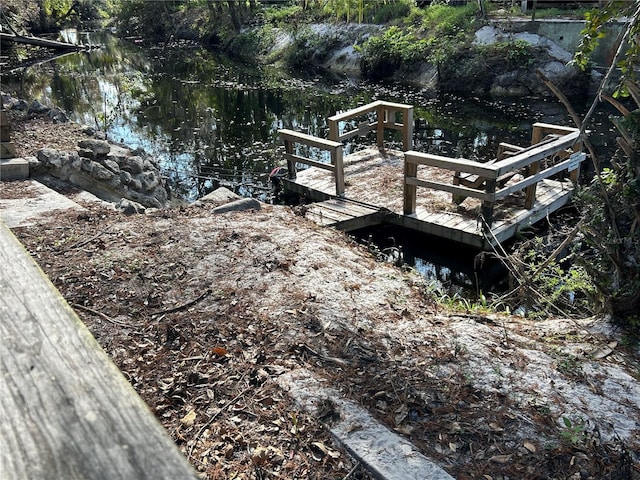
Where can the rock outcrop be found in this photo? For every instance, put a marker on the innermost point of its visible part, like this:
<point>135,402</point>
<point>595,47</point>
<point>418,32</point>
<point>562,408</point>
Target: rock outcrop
<point>108,171</point>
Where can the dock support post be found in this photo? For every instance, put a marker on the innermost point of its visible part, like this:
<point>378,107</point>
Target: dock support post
<point>488,205</point>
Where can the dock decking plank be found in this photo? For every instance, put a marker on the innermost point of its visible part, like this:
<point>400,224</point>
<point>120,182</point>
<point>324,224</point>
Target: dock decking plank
<point>375,180</point>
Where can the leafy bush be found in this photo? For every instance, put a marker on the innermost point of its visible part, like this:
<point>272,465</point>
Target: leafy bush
<point>391,11</point>
<point>282,16</point>
<point>383,54</point>
<point>445,21</point>
<point>308,49</point>
<point>362,11</point>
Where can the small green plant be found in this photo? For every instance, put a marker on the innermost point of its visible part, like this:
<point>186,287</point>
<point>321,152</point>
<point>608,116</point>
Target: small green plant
<point>574,434</point>
<point>569,365</point>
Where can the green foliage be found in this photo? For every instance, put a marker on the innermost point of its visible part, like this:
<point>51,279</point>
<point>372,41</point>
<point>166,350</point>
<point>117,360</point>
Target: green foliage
<point>309,49</point>
<point>445,21</point>
<point>513,52</point>
<point>366,11</point>
<point>596,28</point>
<point>609,206</point>
<point>435,34</point>
<point>574,434</point>
<point>282,16</point>
<point>382,55</point>
<point>136,18</point>
<point>391,11</point>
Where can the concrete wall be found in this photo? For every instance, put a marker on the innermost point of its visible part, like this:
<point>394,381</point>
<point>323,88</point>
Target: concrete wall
<point>566,33</point>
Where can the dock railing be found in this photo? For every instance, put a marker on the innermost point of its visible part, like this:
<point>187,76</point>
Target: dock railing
<point>389,115</point>
<point>554,149</point>
<point>291,138</point>
<point>386,118</point>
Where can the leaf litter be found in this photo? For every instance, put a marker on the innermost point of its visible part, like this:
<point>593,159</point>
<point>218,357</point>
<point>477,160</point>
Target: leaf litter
<point>203,313</point>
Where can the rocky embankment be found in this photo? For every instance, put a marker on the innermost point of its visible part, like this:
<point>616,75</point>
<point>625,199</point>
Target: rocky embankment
<point>336,48</point>
<point>82,157</point>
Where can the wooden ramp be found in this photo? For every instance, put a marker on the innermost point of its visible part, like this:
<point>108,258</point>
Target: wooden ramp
<point>345,214</point>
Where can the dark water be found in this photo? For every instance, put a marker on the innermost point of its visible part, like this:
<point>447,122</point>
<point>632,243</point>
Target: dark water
<point>212,121</point>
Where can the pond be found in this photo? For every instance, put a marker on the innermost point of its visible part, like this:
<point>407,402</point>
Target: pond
<point>212,121</point>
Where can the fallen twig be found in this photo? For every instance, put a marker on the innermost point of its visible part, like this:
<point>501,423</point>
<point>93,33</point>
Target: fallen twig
<point>352,471</point>
<point>103,316</point>
<point>183,306</point>
<point>89,240</point>
<point>213,417</point>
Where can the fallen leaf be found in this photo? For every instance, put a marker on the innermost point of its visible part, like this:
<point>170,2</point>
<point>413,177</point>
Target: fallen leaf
<point>189,418</point>
<point>602,352</point>
<point>219,351</point>
<point>495,427</point>
<point>529,446</point>
<point>326,450</point>
<point>500,458</point>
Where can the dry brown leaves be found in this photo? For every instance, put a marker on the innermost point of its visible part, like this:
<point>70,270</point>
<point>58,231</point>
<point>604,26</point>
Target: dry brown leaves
<point>202,313</point>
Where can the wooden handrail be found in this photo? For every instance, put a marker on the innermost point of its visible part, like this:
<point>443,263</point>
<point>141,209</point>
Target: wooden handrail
<point>67,411</point>
<point>492,173</point>
<point>291,137</point>
<point>385,112</point>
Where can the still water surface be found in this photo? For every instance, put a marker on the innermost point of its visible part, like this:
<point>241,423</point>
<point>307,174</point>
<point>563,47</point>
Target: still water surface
<point>213,121</point>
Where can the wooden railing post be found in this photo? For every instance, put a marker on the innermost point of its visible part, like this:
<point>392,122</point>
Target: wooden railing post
<point>336,160</point>
<point>574,175</point>
<point>410,191</point>
<point>291,164</point>
<point>381,112</point>
<point>407,129</point>
<point>334,130</point>
<point>530,192</point>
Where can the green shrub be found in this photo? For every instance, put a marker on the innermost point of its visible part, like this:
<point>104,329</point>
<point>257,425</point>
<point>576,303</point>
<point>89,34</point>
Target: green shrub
<point>383,54</point>
<point>446,21</point>
<point>391,11</point>
<point>281,16</point>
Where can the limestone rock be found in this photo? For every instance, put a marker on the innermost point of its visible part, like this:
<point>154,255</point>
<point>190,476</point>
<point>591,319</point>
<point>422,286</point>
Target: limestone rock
<point>98,147</point>
<point>129,207</point>
<point>220,196</point>
<point>238,205</point>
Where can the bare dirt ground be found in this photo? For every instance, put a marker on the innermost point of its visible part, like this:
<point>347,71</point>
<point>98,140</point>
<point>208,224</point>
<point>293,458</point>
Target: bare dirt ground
<point>204,313</point>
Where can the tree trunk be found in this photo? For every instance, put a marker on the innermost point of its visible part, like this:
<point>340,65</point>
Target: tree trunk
<point>233,13</point>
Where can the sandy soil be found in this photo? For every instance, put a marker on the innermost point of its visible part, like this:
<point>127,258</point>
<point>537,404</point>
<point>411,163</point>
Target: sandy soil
<point>205,313</point>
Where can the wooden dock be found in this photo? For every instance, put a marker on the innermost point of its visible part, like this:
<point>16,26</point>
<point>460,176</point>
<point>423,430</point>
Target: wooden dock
<point>473,203</point>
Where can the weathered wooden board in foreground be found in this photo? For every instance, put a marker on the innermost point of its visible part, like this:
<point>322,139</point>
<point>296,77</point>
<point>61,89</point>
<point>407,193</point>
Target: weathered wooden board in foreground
<point>66,411</point>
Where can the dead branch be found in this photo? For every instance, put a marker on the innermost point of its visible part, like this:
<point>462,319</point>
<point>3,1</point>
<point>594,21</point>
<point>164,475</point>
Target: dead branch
<point>89,240</point>
<point>103,316</point>
<point>213,417</point>
<point>184,305</point>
